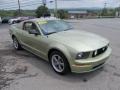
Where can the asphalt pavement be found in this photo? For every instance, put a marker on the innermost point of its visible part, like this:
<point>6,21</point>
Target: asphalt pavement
<point>21,70</point>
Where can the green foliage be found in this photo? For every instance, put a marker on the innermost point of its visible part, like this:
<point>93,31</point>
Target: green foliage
<point>62,14</point>
<point>5,13</point>
<point>108,12</point>
<point>104,12</point>
<point>111,12</point>
<point>24,13</point>
<point>28,13</point>
<point>17,13</point>
<point>11,13</point>
<point>41,11</point>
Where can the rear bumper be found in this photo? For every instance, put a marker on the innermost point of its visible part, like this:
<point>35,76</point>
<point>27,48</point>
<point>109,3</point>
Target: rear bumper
<point>88,65</point>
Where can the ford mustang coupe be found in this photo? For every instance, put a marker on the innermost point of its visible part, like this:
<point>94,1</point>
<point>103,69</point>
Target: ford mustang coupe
<point>65,48</point>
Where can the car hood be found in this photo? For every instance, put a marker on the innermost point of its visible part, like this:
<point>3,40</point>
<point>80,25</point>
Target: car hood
<point>80,40</point>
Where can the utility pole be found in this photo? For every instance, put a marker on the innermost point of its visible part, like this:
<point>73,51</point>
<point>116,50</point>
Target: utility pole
<point>104,11</point>
<point>55,11</point>
<point>19,7</point>
<point>44,2</point>
<point>105,4</point>
<point>119,11</point>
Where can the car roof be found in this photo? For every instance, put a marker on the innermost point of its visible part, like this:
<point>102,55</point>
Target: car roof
<point>43,19</point>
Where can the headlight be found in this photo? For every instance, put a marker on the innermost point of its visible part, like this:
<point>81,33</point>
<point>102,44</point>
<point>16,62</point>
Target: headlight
<point>83,55</point>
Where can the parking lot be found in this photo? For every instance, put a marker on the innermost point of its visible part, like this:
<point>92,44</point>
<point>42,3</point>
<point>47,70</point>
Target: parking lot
<point>21,70</point>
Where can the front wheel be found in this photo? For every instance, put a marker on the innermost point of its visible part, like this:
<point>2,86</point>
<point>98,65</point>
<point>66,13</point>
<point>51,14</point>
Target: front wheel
<point>13,22</point>
<point>59,63</point>
<point>16,44</point>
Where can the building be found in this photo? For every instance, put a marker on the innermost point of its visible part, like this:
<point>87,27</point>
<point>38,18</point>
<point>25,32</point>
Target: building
<point>77,14</point>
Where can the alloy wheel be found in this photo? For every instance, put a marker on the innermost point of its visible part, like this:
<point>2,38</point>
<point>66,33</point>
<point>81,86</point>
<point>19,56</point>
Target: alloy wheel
<point>57,63</point>
<point>15,43</point>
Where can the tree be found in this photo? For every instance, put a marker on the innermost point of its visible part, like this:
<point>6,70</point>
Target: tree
<point>108,12</point>
<point>118,10</point>
<point>17,13</point>
<point>62,14</point>
<point>104,12</point>
<point>5,13</point>
<point>111,12</point>
<point>41,11</point>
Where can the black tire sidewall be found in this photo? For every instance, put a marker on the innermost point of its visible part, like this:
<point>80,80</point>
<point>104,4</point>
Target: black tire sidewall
<point>66,64</point>
<point>13,22</point>
<point>19,46</point>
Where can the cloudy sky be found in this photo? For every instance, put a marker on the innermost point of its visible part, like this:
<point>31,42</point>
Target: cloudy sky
<point>33,4</point>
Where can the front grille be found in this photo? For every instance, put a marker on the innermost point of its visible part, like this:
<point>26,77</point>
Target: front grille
<point>99,51</point>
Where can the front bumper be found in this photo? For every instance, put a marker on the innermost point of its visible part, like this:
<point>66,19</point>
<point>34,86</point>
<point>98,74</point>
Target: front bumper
<point>91,64</point>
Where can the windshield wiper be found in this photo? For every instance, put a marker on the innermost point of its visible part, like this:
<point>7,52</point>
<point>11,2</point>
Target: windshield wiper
<point>68,29</point>
<point>50,33</point>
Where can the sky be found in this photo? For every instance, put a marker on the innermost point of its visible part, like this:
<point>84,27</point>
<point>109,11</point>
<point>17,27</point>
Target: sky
<point>33,4</point>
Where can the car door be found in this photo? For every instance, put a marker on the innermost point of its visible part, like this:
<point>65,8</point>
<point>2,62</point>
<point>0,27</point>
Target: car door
<point>34,43</point>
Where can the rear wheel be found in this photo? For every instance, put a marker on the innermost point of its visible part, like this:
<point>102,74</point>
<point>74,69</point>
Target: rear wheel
<point>59,63</point>
<point>16,44</point>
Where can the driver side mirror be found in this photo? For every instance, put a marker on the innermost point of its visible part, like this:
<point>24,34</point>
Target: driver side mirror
<point>33,32</point>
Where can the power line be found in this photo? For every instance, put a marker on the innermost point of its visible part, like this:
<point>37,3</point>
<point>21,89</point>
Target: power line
<point>23,5</point>
<point>25,2</point>
<point>20,5</point>
<point>69,0</point>
<point>16,3</point>
<point>7,3</point>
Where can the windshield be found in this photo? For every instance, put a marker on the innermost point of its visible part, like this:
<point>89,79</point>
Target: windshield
<point>54,26</point>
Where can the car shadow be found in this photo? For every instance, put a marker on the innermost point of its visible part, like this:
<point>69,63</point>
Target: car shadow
<point>45,67</point>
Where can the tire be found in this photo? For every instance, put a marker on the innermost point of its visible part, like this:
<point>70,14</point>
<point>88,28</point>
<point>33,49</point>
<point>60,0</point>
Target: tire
<point>16,44</point>
<point>64,68</point>
<point>13,22</point>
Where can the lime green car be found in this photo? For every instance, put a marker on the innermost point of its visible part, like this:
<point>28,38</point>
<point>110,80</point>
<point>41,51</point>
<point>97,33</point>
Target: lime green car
<point>56,41</point>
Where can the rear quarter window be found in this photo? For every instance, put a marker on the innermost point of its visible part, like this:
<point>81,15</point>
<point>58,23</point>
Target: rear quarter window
<point>19,25</point>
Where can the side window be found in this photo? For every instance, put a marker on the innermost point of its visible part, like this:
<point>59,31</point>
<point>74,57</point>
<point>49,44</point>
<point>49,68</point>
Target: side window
<point>34,27</point>
<point>27,26</point>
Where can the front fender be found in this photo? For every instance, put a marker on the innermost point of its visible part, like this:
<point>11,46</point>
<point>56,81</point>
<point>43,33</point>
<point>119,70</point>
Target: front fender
<point>62,49</point>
